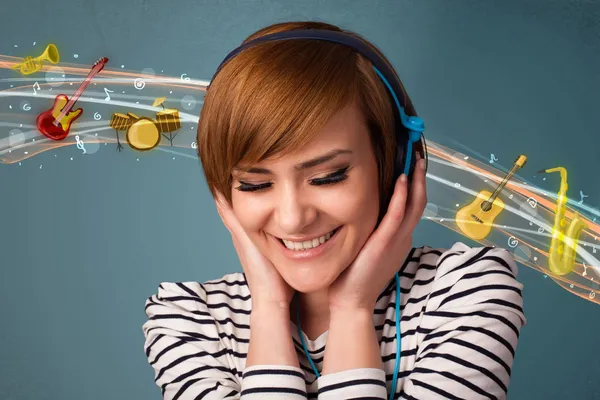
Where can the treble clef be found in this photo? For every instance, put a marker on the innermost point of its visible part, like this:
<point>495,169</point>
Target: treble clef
<point>80,144</point>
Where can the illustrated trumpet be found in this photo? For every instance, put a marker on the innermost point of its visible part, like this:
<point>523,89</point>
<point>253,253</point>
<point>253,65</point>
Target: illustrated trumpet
<point>563,247</point>
<point>31,65</point>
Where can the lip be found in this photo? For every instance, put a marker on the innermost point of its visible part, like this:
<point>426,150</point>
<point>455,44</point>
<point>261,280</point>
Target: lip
<point>308,253</point>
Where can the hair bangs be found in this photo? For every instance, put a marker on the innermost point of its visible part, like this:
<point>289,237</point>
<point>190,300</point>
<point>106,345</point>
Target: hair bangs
<point>280,105</point>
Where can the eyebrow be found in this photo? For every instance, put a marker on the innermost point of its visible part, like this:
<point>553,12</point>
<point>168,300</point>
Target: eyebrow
<point>306,164</point>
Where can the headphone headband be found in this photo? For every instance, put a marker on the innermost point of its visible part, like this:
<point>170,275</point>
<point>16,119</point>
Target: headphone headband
<point>328,36</point>
<point>413,124</point>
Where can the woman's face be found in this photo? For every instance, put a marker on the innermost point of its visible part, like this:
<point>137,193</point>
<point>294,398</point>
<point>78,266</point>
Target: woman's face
<point>311,212</point>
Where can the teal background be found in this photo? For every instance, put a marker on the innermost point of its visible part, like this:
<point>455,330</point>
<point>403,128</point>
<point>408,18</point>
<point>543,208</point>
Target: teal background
<point>83,243</point>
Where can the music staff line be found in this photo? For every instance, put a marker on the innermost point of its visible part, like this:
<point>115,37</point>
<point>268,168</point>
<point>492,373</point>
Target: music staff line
<point>167,80</point>
<point>99,99</point>
<point>185,117</point>
<point>531,233</point>
<point>589,259</point>
<point>530,187</point>
<point>83,134</point>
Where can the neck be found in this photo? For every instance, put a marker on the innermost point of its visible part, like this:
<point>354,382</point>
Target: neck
<point>314,312</point>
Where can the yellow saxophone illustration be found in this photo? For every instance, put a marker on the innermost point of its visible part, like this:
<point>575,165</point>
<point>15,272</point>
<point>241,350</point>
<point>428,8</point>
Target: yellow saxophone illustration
<point>563,247</point>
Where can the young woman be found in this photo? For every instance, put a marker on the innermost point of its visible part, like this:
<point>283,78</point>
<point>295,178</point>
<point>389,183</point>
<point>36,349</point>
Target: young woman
<point>298,142</point>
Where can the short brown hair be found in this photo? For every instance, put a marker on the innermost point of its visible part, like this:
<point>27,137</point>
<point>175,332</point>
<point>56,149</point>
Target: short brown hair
<point>272,98</point>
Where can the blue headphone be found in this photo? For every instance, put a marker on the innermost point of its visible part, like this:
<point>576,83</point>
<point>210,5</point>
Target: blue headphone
<point>412,126</point>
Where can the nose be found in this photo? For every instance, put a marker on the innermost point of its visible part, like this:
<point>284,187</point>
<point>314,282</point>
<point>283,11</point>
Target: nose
<point>294,212</point>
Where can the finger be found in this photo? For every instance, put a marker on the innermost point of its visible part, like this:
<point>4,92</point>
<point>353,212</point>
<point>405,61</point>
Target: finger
<point>227,215</point>
<point>221,213</point>
<point>394,215</point>
<point>236,245</point>
<point>223,218</point>
<point>230,220</point>
<point>417,198</point>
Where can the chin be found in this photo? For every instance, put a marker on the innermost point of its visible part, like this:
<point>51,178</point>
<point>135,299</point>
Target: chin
<point>316,269</point>
<point>307,283</point>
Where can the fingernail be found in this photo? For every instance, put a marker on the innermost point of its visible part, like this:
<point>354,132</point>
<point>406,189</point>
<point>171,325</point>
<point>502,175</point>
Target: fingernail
<point>422,163</point>
<point>402,178</point>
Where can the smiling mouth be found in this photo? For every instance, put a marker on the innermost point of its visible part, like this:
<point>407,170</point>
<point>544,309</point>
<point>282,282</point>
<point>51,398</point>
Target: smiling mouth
<point>309,244</point>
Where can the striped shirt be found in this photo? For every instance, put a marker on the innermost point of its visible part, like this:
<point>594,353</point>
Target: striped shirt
<point>461,313</point>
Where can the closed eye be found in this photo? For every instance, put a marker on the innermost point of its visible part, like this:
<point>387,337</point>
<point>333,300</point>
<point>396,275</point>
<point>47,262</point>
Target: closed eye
<point>335,177</point>
<point>249,187</point>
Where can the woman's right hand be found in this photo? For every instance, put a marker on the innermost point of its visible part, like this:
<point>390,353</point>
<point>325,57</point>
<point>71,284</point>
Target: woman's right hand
<point>267,287</point>
<point>270,332</point>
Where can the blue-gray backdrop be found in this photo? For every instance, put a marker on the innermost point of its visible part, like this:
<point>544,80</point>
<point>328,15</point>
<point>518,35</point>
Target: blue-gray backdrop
<point>84,242</point>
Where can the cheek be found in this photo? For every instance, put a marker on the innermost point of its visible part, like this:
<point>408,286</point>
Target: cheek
<point>250,211</point>
<point>355,201</point>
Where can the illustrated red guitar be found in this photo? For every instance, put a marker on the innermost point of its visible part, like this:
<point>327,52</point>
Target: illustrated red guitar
<point>56,122</point>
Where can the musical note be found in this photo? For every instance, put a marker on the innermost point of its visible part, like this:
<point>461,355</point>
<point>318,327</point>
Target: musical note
<point>80,144</point>
<point>139,83</point>
<point>583,196</point>
<point>512,242</point>
<point>38,87</point>
<point>584,270</point>
<point>107,98</point>
<point>493,158</point>
<point>194,145</point>
<point>532,202</point>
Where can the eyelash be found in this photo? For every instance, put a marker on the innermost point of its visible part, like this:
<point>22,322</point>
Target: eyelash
<point>336,177</point>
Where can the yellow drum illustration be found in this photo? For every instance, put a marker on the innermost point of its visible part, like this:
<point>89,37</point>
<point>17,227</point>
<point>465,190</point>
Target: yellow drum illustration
<point>143,134</point>
<point>120,122</point>
<point>168,120</point>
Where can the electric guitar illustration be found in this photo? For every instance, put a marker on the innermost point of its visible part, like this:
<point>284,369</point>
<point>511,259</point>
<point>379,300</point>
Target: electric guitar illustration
<point>55,123</point>
<point>475,220</point>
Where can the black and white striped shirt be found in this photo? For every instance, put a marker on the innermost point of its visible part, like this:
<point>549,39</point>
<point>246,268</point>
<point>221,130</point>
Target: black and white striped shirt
<point>461,314</point>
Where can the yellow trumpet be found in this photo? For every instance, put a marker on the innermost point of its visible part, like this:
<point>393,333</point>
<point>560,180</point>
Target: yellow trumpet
<point>31,65</point>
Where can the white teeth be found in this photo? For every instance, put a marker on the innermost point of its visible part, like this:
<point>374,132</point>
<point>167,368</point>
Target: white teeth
<point>307,244</point>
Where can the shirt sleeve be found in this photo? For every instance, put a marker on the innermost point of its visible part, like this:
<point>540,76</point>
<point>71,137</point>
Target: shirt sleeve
<point>470,329</point>
<point>190,361</point>
<point>360,383</point>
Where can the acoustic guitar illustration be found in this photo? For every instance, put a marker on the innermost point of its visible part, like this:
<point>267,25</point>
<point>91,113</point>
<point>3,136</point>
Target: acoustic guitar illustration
<point>475,219</point>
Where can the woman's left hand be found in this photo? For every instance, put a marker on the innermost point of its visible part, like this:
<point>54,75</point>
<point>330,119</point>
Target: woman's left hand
<point>359,286</point>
